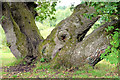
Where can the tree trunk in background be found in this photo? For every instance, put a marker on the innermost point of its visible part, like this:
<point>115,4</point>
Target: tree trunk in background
<point>23,37</point>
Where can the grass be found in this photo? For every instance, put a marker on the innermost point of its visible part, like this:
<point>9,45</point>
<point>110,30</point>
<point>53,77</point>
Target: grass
<point>7,59</point>
<point>5,49</point>
<point>42,70</point>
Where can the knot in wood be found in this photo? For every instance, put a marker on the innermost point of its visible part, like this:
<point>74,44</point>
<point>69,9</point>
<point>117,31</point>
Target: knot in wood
<point>63,35</point>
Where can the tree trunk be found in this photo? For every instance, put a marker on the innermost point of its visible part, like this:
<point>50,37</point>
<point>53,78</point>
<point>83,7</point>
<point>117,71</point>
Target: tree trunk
<point>65,46</point>
<point>23,37</point>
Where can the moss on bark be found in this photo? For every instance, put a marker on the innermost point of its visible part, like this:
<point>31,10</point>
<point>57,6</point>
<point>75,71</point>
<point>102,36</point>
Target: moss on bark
<point>24,30</point>
<point>60,44</point>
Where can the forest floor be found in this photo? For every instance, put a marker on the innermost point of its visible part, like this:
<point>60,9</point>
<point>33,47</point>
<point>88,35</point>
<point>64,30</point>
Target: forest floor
<point>11,69</point>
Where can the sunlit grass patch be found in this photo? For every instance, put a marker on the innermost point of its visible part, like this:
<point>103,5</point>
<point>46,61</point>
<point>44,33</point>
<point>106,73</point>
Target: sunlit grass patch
<point>105,65</point>
<point>7,58</point>
<point>5,49</point>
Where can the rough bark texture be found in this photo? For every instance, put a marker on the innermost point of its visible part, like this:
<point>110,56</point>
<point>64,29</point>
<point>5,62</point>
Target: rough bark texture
<point>21,31</point>
<point>65,45</point>
<point>60,44</point>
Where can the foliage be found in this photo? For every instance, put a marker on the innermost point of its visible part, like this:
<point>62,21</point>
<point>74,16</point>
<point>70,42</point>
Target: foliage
<point>8,44</point>
<point>79,72</point>
<point>72,7</point>
<point>42,60</point>
<point>60,14</point>
<point>108,12</point>
<point>46,26</point>
<point>113,50</point>
<point>24,63</point>
<point>14,76</point>
<point>2,18</point>
<point>44,66</point>
<point>49,14</point>
<point>45,9</point>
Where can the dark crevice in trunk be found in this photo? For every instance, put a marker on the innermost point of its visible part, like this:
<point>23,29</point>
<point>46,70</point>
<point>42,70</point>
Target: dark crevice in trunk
<point>82,35</point>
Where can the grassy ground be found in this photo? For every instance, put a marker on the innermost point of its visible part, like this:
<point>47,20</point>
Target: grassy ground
<point>42,70</point>
<point>6,57</point>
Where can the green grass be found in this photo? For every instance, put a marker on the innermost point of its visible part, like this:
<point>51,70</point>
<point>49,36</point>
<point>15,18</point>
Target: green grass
<point>42,71</point>
<point>7,59</point>
<point>5,49</point>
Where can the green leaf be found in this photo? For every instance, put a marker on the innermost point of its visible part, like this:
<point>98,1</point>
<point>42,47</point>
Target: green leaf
<point>112,27</point>
<point>24,63</point>
<point>42,60</point>
<point>112,42</point>
<point>106,29</point>
<point>108,47</point>
<point>113,49</point>
<point>117,29</point>
<point>117,43</point>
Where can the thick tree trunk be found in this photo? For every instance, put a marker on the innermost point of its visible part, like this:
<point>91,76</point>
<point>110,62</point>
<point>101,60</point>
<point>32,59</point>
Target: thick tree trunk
<point>22,34</point>
<point>66,45</point>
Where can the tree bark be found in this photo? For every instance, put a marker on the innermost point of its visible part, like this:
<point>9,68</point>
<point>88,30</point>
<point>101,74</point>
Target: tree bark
<point>22,34</point>
<point>67,45</point>
<point>59,47</point>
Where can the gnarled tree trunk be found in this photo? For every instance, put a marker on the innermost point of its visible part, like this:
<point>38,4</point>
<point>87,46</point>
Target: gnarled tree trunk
<point>65,46</point>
